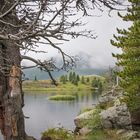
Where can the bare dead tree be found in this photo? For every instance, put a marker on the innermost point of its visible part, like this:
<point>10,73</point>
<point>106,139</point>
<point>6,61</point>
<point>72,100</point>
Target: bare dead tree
<point>24,25</point>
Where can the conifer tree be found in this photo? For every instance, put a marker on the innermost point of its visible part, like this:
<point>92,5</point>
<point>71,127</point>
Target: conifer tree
<point>63,79</point>
<point>70,76</point>
<point>78,77</point>
<point>75,82</point>
<point>35,79</point>
<point>83,80</point>
<point>73,76</point>
<point>129,41</point>
<point>88,80</point>
<point>66,77</point>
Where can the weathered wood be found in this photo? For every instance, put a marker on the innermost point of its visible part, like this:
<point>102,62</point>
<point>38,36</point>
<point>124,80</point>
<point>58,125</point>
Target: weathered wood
<point>11,97</point>
<point>12,122</point>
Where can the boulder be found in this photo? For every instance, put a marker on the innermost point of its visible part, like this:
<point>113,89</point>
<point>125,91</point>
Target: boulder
<point>79,120</point>
<point>130,135</point>
<point>110,96</point>
<point>84,131</point>
<point>106,98</point>
<point>117,116</point>
<point>121,131</point>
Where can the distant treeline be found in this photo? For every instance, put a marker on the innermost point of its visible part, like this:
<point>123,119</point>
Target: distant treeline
<point>75,79</point>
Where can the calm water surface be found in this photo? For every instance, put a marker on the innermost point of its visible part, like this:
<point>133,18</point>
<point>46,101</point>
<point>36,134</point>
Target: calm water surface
<point>45,114</point>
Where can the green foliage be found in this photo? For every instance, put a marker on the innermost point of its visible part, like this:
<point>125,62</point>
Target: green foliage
<point>132,100</point>
<point>88,80</point>
<point>78,78</point>
<point>97,83</point>
<point>66,78</point>
<point>75,82</point>
<point>57,134</point>
<point>83,80</point>
<point>62,97</point>
<point>35,79</point>
<point>93,121</point>
<point>85,110</point>
<point>97,135</point>
<point>46,86</point>
<point>72,77</point>
<point>106,105</point>
<point>94,83</point>
<point>104,135</point>
<point>129,60</point>
<point>63,79</point>
<point>75,79</point>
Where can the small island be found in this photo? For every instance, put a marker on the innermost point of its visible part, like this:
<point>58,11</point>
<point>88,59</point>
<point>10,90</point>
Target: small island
<point>62,98</point>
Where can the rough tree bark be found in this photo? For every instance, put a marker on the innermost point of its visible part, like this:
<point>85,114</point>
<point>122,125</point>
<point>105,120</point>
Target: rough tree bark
<point>11,103</point>
<point>11,115</point>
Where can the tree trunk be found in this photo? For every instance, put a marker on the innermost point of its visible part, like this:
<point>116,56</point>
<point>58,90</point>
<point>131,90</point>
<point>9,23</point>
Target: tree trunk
<point>11,102</point>
<point>11,115</point>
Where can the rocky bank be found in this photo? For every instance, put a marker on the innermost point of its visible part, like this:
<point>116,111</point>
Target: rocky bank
<point>113,114</point>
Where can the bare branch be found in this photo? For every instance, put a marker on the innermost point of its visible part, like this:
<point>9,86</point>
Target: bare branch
<point>50,22</point>
<point>42,65</point>
<point>11,8</point>
<point>29,67</point>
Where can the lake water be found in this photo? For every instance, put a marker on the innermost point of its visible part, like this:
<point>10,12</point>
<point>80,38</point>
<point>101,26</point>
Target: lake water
<point>46,114</point>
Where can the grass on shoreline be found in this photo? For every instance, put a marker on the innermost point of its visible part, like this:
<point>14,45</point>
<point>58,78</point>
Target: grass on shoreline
<point>104,135</point>
<point>45,85</point>
<point>63,134</point>
<point>62,97</point>
<point>57,134</point>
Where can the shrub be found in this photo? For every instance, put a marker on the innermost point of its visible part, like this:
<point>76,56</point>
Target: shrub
<point>132,101</point>
<point>104,135</point>
<point>93,120</point>
<point>57,134</point>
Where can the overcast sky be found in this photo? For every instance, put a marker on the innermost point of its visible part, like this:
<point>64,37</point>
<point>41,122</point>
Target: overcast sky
<point>95,53</point>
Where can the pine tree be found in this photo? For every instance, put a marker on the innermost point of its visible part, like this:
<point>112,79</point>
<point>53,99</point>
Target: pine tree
<point>70,76</point>
<point>95,83</point>
<point>73,76</point>
<point>35,78</point>
<point>75,82</point>
<point>78,77</point>
<point>66,77</point>
<point>88,80</point>
<point>129,41</point>
<point>63,79</point>
<point>83,80</point>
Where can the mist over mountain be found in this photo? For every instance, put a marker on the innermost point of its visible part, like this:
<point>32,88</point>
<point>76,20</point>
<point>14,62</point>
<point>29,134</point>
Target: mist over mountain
<point>84,66</point>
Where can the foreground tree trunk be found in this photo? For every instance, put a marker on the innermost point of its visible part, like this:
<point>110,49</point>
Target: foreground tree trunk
<point>11,102</point>
<point>11,115</point>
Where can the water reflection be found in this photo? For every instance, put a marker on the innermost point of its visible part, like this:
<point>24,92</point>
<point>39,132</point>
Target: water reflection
<point>45,114</point>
